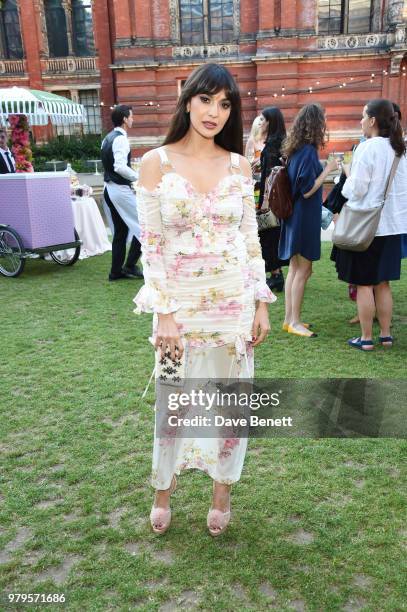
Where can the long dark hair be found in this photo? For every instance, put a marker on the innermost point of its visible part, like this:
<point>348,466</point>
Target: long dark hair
<point>388,123</point>
<point>210,79</point>
<point>275,118</point>
<point>309,127</point>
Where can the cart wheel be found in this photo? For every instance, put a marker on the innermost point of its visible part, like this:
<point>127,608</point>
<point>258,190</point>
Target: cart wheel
<point>12,260</point>
<point>67,257</point>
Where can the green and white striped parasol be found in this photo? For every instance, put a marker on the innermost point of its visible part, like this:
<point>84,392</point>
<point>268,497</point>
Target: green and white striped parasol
<point>39,107</point>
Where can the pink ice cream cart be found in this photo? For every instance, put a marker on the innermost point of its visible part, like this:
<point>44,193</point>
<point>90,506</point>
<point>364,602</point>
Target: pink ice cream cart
<point>36,217</point>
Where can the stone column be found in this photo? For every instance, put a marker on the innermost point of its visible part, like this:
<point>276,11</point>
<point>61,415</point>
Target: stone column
<point>66,5</point>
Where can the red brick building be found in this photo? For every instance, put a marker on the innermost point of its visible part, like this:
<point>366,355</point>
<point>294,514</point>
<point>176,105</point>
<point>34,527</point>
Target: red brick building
<point>281,52</point>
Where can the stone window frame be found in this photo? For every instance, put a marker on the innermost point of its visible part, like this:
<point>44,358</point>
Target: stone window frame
<point>375,19</point>
<point>176,30</point>
<point>67,6</point>
<point>2,48</point>
<point>88,3</point>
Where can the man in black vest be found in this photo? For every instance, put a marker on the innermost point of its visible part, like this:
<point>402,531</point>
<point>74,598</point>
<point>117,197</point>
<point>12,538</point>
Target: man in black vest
<point>119,197</point>
<point>7,162</point>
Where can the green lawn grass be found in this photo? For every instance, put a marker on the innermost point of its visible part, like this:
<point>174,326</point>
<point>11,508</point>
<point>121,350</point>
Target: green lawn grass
<point>317,524</point>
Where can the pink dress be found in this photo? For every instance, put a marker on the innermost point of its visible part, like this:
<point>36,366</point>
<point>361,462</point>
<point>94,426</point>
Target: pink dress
<point>202,261</point>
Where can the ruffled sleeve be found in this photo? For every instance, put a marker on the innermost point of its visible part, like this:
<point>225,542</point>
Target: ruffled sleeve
<point>248,228</point>
<point>154,296</point>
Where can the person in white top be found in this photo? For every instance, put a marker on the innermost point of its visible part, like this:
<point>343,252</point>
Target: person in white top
<point>7,162</point>
<point>255,142</point>
<point>371,270</point>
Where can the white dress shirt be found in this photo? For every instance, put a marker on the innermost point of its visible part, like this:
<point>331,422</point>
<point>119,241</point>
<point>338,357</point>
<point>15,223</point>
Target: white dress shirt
<point>121,150</point>
<point>8,159</point>
<point>365,187</point>
<point>123,196</point>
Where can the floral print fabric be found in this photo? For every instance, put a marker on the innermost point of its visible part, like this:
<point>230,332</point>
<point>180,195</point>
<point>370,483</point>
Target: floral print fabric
<point>202,261</point>
<point>201,257</point>
<point>221,458</point>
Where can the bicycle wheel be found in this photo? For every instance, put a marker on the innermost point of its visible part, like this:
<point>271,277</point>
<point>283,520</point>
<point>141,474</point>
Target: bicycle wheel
<point>12,260</point>
<point>67,257</point>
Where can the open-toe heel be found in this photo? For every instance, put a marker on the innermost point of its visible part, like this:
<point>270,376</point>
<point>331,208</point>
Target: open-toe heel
<point>162,516</point>
<point>217,521</point>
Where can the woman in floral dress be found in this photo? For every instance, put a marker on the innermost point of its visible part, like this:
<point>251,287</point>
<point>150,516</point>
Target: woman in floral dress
<point>204,276</point>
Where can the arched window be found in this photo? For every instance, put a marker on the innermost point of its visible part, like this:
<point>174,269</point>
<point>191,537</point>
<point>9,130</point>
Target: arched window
<point>345,16</point>
<point>82,27</point>
<point>206,21</point>
<point>11,45</point>
<point>56,28</point>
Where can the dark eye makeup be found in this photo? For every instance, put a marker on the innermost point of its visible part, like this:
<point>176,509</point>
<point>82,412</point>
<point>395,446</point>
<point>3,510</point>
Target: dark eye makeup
<point>226,104</point>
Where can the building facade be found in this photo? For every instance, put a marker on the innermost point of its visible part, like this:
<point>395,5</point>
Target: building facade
<point>340,53</point>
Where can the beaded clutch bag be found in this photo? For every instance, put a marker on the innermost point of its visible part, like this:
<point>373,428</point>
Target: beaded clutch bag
<point>168,371</point>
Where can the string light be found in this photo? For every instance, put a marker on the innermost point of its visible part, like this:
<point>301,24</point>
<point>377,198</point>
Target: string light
<point>284,92</point>
<point>311,89</point>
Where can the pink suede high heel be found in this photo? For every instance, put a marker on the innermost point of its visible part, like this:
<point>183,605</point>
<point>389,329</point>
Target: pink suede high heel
<point>162,516</point>
<point>217,521</point>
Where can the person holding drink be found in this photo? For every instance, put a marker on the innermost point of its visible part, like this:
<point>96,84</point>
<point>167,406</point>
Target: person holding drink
<point>300,240</point>
<point>371,270</point>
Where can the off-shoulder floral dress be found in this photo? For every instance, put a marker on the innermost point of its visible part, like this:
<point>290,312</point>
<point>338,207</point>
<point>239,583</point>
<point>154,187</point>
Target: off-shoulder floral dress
<point>202,261</point>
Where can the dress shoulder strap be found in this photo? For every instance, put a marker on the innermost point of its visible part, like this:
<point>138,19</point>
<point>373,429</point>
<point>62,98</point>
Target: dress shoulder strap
<point>164,158</point>
<point>235,161</point>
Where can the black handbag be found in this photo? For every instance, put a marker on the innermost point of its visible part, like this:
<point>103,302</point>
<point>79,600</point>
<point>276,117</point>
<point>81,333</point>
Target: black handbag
<point>335,199</point>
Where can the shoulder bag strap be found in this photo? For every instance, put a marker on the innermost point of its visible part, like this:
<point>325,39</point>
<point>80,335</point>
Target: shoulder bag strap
<point>393,171</point>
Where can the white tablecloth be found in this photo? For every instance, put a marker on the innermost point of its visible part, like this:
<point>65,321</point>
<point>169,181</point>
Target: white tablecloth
<point>90,227</point>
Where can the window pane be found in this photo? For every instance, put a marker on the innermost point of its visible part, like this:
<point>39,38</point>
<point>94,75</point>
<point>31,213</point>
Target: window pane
<point>10,30</point>
<point>56,29</point>
<point>216,9</point>
<point>359,16</point>
<point>216,24</point>
<point>83,28</point>
<point>221,20</point>
<point>192,31</point>
<point>90,99</point>
<point>330,16</point>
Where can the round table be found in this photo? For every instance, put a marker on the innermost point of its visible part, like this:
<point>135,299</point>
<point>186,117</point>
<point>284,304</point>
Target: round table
<point>90,227</point>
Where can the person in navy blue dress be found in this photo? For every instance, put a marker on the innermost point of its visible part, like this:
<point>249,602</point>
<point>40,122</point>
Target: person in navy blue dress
<point>300,239</point>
